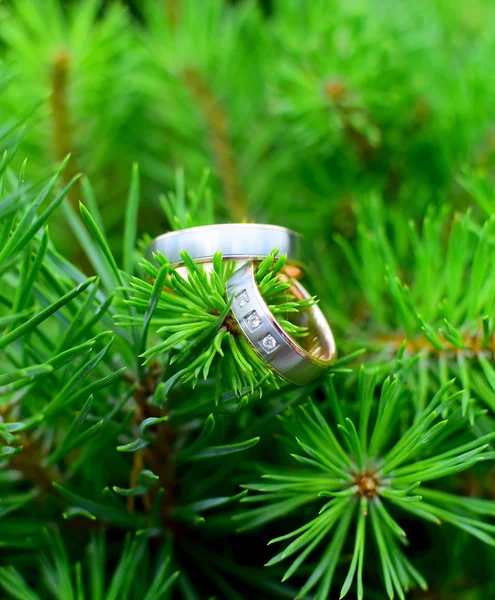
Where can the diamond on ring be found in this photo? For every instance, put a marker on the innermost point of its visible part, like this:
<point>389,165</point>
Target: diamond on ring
<point>242,299</point>
<point>269,343</point>
<point>253,320</point>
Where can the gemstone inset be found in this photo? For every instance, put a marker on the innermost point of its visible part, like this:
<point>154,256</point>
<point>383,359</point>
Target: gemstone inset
<point>269,343</point>
<point>242,299</point>
<point>253,320</point>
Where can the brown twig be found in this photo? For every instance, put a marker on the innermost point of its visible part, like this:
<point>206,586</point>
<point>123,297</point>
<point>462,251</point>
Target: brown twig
<point>137,467</point>
<point>337,94</point>
<point>61,122</point>
<point>159,455</point>
<point>472,342</point>
<point>172,8</point>
<point>29,464</point>
<point>222,149</point>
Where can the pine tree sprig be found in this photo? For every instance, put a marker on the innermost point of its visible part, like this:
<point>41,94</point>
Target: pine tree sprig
<point>193,315</point>
<point>370,473</point>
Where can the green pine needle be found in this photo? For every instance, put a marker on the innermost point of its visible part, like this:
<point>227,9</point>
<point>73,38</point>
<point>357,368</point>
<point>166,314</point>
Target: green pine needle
<point>381,472</point>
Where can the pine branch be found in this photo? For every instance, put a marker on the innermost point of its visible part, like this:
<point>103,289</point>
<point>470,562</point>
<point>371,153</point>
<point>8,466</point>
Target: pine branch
<point>450,328</point>
<point>368,472</point>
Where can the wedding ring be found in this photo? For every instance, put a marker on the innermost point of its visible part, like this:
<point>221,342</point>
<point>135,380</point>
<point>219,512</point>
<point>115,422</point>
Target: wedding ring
<point>236,241</point>
<point>269,340</point>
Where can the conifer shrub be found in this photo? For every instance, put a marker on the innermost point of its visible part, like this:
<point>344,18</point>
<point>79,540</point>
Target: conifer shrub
<point>146,451</point>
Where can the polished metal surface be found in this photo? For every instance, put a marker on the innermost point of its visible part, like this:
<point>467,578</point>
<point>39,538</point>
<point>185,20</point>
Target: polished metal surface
<point>269,340</point>
<point>236,241</point>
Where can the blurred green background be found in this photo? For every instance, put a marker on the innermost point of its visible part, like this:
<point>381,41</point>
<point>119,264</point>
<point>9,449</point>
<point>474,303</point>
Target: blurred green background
<point>301,110</point>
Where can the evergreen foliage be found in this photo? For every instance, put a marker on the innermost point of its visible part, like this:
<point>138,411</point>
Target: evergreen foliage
<point>146,452</point>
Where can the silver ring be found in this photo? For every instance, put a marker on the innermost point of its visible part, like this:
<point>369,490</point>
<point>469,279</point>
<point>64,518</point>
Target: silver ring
<point>269,340</point>
<point>236,241</point>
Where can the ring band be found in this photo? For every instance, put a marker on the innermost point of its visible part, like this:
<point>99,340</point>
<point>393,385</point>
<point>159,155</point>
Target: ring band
<point>236,241</point>
<point>269,340</point>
